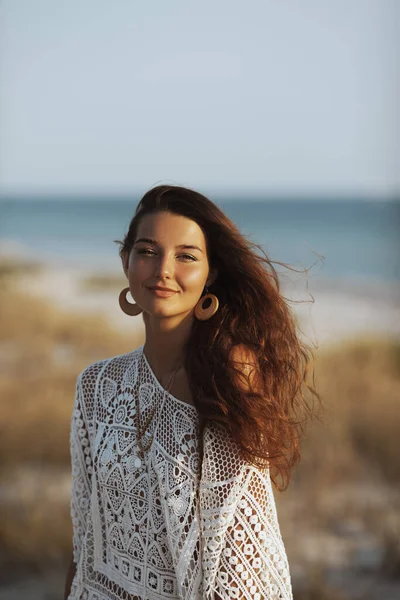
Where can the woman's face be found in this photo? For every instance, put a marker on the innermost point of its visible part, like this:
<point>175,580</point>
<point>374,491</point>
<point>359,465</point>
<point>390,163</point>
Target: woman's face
<point>169,252</point>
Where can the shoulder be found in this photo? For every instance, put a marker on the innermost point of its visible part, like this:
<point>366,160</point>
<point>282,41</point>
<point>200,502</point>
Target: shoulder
<point>245,363</point>
<point>244,355</point>
<point>113,366</point>
<point>103,377</point>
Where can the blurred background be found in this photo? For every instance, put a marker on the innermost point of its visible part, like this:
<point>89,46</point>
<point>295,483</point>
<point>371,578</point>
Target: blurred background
<point>286,115</point>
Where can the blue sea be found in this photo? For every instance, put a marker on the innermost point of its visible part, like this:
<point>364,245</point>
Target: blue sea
<point>359,239</point>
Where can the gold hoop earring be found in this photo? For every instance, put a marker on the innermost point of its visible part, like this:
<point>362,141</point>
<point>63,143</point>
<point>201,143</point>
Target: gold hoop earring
<point>203,313</point>
<point>127,307</point>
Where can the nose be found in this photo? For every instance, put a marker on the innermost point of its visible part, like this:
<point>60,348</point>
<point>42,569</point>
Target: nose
<point>164,267</point>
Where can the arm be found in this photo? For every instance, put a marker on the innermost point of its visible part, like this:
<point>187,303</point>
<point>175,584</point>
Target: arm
<point>243,555</point>
<point>82,468</point>
<point>250,561</point>
<point>253,563</point>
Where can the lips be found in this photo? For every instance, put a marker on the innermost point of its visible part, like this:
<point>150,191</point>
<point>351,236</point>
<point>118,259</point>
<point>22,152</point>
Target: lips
<point>162,292</point>
<point>162,289</point>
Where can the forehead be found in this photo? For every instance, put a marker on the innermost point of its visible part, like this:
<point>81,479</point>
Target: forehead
<point>168,228</point>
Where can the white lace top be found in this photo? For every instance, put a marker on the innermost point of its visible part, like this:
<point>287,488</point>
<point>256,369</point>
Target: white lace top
<point>158,528</point>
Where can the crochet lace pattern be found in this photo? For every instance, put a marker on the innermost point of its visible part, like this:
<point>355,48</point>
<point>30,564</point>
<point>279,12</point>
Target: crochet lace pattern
<point>165,529</point>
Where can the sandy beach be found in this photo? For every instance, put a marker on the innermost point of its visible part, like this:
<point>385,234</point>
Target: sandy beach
<point>349,471</point>
<point>340,310</point>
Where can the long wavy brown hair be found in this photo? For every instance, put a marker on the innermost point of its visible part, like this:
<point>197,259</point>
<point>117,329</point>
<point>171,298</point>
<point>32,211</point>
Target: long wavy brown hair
<point>263,399</point>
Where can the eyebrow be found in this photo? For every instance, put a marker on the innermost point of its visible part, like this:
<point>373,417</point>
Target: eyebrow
<point>185,246</point>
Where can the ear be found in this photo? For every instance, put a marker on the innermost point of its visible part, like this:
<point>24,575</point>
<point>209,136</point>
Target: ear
<point>212,276</point>
<point>125,263</point>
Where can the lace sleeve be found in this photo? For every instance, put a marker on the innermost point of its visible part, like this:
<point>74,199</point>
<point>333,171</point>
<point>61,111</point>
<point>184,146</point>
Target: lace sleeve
<point>81,455</point>
<point>253,563</point>
<point>243,553</point>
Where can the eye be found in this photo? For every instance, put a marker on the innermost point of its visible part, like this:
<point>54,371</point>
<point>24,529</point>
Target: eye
<point>145,251</point>
<point>187,256</point>
<point>149,252</point>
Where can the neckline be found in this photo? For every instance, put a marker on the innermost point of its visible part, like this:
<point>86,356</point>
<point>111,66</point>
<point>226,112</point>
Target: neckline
<point>158,384</point>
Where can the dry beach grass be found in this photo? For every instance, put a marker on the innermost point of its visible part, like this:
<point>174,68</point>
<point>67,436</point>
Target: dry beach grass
<point>339,517</point>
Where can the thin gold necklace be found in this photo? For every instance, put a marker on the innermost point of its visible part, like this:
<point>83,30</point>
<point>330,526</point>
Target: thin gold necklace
<point>141,431</point>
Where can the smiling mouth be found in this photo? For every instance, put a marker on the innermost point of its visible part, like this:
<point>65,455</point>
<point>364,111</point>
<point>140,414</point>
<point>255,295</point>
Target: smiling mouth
<point>162,293</point>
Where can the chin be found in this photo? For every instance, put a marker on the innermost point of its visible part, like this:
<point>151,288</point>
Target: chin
<point>158,311</point>
<point>164,312</point>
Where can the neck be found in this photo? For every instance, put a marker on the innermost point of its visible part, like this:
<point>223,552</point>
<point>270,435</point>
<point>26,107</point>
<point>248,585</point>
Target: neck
<point>164,345</point>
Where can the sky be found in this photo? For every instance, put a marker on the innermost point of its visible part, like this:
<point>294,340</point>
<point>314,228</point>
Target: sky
<point>266,96</point>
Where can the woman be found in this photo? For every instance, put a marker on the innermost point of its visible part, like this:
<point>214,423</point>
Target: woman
<point>175,444</point>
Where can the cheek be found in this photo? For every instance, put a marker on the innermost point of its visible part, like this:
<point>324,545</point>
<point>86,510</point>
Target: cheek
<point>193,279</point>
<point>138,270</point>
